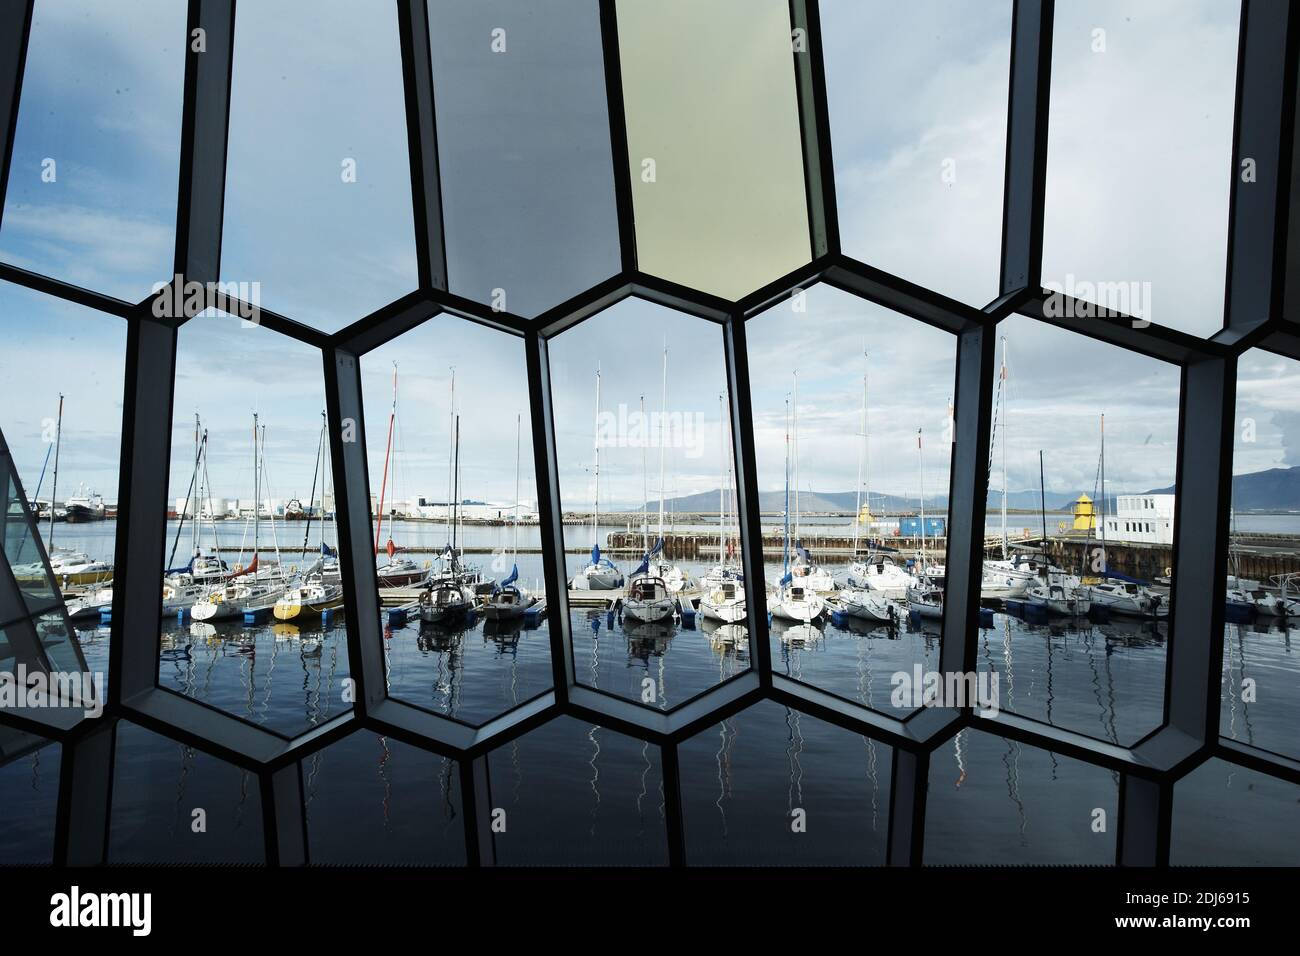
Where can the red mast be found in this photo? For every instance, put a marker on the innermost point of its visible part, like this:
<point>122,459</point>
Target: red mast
<point>392,415</point>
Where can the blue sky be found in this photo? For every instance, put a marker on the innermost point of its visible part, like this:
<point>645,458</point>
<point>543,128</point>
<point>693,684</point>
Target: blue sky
<point>1137,190</point>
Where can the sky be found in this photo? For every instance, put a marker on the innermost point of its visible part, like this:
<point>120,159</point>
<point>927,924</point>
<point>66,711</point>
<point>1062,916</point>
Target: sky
<point>1139,155</point>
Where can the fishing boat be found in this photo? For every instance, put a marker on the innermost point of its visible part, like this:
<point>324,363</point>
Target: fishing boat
<point>508,600</point>
<point>84,506</point>
<point>599,574</point>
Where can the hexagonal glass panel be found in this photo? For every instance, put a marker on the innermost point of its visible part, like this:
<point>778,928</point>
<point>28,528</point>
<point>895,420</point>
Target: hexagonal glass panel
<point>574,794</point>
<point>454,505</point>
<point>1261,660</point>
<point>852,432</point>
<point>162,789</point>
<point>1140,133</point>
<point>318,186</point>
<point>1079,581</point>
<point>372,800</point>
<point>657,599</point>
<point>252,594</point>
<point>523,151</point>
<point>917,96</point>
<point>29,789</point>
<point>716,161</point>
<point>775,787</point>
<point>995,801</point>
<point>1225,815</point>
<point>97,148</point>
<point>64,433</point>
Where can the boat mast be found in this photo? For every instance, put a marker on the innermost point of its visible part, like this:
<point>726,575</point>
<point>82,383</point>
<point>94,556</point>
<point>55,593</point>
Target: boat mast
<point>451,445</point>
<point>796,455</point>
<point>663,418</point>
<point>1103,492</point>
<point>1042,496</point>
<point>785,544</point>
<point>257,487</point>
<point>862,451</point>
<point>645,487</point>
<point>54,487</point>
<point>388,451</point>
<point>194,526</point>
<point>722,481</point>
<point>518,431</point>
<point>920,464</point>
<point>455,521</point>
<point>595,443</point>
<point>1002,394</point>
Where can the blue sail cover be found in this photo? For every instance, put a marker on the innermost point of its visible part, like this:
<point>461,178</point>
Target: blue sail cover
<point>659,545</point>
<point>784,580</point>
<point>643,567</point>
<point>514,576</point>
<point>328,552</point>
<point>802,552</point>
<point>595,555</point>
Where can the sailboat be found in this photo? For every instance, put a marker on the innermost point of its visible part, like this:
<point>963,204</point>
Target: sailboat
<point>1057,591</point>
<point>600,574</point>
<point>448,598</point>
<point>1117,593</point>
<point>1006,578</point>
<point>793,601</point>
<point>674,578</point>
<point>398,572</point>
<point>248,589</point>
<point>804,572</point>
<point>926,597</point>
<point>864,598</point>
<point>509,600</point>
<point>723,597</point>
<point>69,566</point>
<point>647,599</point>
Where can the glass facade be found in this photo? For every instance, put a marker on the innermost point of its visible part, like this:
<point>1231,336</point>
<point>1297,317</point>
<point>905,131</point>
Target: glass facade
<point>432,642</point>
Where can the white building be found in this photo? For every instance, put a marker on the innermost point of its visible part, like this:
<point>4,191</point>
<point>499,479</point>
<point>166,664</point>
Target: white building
<point>1148,519</point>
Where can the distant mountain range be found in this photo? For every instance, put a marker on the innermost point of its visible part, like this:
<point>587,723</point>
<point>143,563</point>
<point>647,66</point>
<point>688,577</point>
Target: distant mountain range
<point>1277,489</point>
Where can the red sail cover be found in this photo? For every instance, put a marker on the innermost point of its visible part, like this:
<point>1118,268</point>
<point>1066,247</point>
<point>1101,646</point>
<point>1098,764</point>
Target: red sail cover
<point>391,548</point>
<point>252,566</point>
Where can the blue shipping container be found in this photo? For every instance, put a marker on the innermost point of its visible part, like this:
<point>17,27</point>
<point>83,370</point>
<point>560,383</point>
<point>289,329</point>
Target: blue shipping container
<point>911,527</point>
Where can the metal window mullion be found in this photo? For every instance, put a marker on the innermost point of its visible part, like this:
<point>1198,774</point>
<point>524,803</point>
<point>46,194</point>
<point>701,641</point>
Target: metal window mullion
<point>284,817</point>
<point>908,782</point>
<point>362,610</point>
<point>476,810</point>
<point>15,30</point>
<point>618,147</point>
<point>1262,214</point>
<point>422,141</point>
<point>814,128</point>
<point>735,351</point>
<point>82,821</point>
<point>1025,182</point>
<point>968,496</point>
<point>550,515</point>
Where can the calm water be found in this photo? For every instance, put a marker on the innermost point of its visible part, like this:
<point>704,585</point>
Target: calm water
<point>769,786</point>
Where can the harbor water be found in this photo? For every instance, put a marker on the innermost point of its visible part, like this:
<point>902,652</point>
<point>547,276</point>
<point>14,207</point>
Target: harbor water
<point>769,786</point>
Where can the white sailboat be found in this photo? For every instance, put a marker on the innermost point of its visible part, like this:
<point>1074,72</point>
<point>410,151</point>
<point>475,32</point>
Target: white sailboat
<point>674,578</point>
<point>723,595</point>
<point>509,600</point>
<point>1121,596</point>
<point>1004,579</point>
<point>599,574</point>
<point>792,601</point>
<point>448,596</point>
<point>926,597</point>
